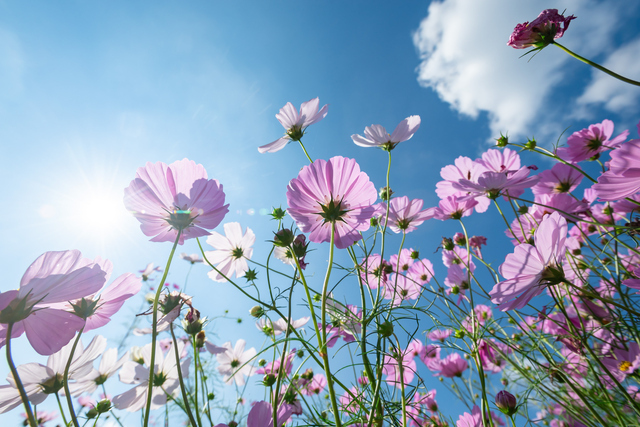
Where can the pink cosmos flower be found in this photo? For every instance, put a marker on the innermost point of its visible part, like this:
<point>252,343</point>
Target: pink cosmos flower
<point>231,251</point>
<point>430,356</point>
<point>295,123</point>
<point>624,362</point>
<point>454,207</point>
<point>500,160</point>
<point>452,366</point>
<point>261,415</point>
<point>42,417</point>
<point>404,262</point>
<point>377,136</point>
<point>420,272</point>
<point>530,269</point>
<point>53,278</point>
<point>439,334</point>
<point>168,198</point>
<point>375,271</point>
<point>391,366</point>
<point>405,215</point>
<point>401,288</point>
<point>315,386</point>
<point>590,142</point>
<point>623,177</point>
<point>493,184</point>
<point>548,26</point>
<point>467,169</point>
<point>561,178</point>
<point>333,191</point>
<point>193,258</point>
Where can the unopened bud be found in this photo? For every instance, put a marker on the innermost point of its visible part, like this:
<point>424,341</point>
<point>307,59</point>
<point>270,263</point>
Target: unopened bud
<point>503,141</point>
<point>269,380</point>
<point>200,339</point>
<point>530,144</point>
<point>415,254</point>
<point>386,329</point>
<point>256,311</point>
<point>506,403</point>
<point>447,244</point>
<point>385,193</point>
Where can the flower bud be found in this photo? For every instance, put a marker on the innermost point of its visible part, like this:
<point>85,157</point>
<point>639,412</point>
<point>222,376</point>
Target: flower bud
<point>502,141</point>
<point>459,334</point>
<point>300,353</point>
<point>523,209</point>
<point>506,403</point>
<point>136,355</point>
<point>283,238</point>
<point>256,311</point>
<point>92,413</point>
<point>278,213</point>
<point>262,362</point>
<point>200,339</point>
<point>530,144</point>
<point>103,406</point>
<point>192,323</point>
<point>447,244</point>
<point>415,254</point>
<point>386,329</point>
<point>385,193</point>
<point>211,396</point>
<point>374,221</point>
<point>269,380</point>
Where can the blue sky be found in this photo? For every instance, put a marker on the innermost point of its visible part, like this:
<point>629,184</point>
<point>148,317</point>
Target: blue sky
<point>90,91</point>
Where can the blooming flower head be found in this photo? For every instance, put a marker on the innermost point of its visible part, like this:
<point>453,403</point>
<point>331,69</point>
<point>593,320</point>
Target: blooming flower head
<point>375,271</point>
<point>168,198</point>
<point>37,307</point>
<point>590,142</point>
<point>232,251</point>
<point>623,177</point>
<point>332,192</point>
<point>295,123</point>
<point>234,364</point>
<point>193,258</point>
<point>453,366</point>
<point>540,32</point>
<point>531,268</point>
<point>165,379</point>
<point>405,215</point>
<point>377,136</point>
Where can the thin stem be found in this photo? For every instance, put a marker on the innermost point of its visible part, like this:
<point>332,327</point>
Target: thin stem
<point>64,418</point>
<point>187,408</point>
<point>154,332</point>
<point>16,378</point>
<point>598,66</point>
<point>305,151</point>
<point>66,379</point>
<point>323,344</point>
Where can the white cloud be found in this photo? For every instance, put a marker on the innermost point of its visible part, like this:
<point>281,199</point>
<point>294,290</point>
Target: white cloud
<point>613,94</point>
<point>465,59</point>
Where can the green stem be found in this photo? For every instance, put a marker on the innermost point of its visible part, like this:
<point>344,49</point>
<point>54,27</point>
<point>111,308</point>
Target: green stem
<point>154,332</point>
<point>305,151</point>
<point>64,418</point>
<point>16,378</point>
<point>598,66</point>
<point>182,387</point>
<point>66,379</point>
<point>323,344</point>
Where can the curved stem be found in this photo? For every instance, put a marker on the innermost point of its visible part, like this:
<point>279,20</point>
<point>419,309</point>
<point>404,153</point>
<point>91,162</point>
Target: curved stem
<point>66,379</point>
<point>183,389</point>
<point>16,378</point>
<point>154,332</point>
<point>64,418</point>
<point>305,151</point>
<point>598,66</point>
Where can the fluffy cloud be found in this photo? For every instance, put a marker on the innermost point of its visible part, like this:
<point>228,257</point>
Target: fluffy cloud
<point>465,59</point>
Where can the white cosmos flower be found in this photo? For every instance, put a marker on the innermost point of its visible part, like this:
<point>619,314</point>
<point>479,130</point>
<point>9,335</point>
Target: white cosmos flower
<point>232,251</point>
<point>234,363</point>
<point>165,381</point>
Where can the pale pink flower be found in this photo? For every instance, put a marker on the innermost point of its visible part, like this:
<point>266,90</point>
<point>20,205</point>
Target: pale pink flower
<point>148,271</point>
<point>463,168</point>
<point>391,367</point>
<point>455,207</point>
<point>231,251</point>
<point>404,262</point>
<point>452,366</point>
<point>42,417</point>
<point>500,160</point>
<point>315,386</point>
<point>563,203</point>
<point>548,26</point>
<point>375,271</point>
<point>522,228</point>
<point>430,356</point>
<point>167,198</point>
<point>561,178</point>
<point>333,191</point>
<point>295,123</point>
<point>235,363</point>
<point>420,272</point>
<point>377,136</point>
<point>275,366</point>
<point>530,269</point>
<point>439,334</point>
<point>165,382</point>
<point>193,258</point>
<point>405,215</point>
<point>589,142</point>
<point>279,326</point>
<point>400,288</point>
<point>624,361</point>
<point>53,278</point>
<point>492,184</point>
<point>457,281</point>
<point>261,415</point>
<point>623,177</point>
